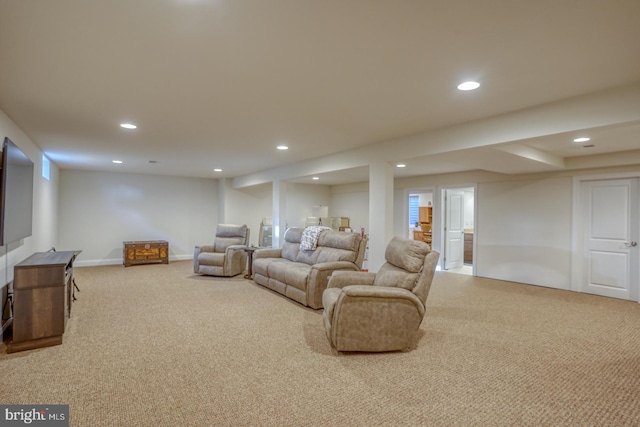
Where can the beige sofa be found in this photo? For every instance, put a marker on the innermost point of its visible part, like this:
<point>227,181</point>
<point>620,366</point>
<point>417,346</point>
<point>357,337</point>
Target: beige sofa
<point>303,275</point>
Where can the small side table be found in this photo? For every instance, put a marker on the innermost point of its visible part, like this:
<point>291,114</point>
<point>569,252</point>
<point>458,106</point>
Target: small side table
<point>249,250</point>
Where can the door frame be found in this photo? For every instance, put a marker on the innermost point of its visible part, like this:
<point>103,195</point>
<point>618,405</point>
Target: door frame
<point>435,203</point>
<point>453,253</point>
<point>577,241</point>
<point>439,235</point>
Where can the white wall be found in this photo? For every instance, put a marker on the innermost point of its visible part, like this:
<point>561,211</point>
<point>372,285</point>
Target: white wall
<point>469,207</point>
<point>524,231</point>
<point>45,200</point>
<point>523,228</point>
<point>425,199</point>
<point>100,210</point>
<point>300,201</point>
<point>400,214</point>
<point>247,205</point>
<point>351,201</point>
<point>45,207</point>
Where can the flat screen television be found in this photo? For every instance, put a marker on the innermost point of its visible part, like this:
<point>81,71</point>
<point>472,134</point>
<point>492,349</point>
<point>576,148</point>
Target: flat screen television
<point>16,194</point>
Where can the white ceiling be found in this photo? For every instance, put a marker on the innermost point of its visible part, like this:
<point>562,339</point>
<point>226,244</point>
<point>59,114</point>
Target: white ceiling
<point>219,83</point>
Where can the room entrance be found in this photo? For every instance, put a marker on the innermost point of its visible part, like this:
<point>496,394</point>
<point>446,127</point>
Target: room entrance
<point>458,229</point>
<point>421,216</point>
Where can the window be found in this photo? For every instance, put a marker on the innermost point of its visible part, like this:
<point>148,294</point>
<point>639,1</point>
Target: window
<point>414,200</point>
<point>46,168</point>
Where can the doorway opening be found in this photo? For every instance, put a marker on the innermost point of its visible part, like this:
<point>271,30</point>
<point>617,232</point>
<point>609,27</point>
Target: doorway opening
<point>458,229</point>
<point>421,216</point>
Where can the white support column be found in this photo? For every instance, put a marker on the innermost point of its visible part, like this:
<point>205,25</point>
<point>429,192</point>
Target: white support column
<point>223,185</point>
<point>380,212</point>
<point>278,212</point>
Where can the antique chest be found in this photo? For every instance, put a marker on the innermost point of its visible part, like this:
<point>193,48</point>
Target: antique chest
<point>145,252</point>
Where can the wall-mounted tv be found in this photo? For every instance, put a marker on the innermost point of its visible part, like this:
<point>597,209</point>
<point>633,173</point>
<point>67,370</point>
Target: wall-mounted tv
<point>16,194</point>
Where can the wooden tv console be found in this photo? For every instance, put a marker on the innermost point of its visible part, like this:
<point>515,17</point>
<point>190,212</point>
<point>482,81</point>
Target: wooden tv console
<point>42,297</point>
<point>145,252</point>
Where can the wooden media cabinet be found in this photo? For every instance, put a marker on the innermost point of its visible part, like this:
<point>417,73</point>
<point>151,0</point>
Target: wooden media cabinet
<point>42,297</point>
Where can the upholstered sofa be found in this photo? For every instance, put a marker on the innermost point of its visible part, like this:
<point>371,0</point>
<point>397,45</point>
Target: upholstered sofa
<point>302,275</point>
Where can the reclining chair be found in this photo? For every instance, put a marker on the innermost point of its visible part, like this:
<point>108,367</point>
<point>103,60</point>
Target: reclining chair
<point>226,256</point>
<point>380,311</point>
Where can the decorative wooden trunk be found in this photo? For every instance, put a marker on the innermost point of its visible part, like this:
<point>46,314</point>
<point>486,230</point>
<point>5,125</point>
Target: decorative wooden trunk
<point>145,252</point>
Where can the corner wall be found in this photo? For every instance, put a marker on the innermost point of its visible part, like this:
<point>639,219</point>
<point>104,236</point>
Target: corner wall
<point>100,210</point>
<point>247,205</point>
<point>45,210</point>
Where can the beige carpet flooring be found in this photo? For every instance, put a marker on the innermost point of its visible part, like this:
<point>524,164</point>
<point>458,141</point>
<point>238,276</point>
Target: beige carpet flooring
<point>155,345</point>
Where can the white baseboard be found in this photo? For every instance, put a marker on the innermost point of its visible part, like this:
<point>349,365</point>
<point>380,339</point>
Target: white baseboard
<point>118,261</point>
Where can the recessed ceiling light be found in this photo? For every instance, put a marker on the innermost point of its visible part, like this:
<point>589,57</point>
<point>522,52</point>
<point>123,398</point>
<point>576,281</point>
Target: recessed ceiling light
<point>315,178</point>
<point>401,165</point>
<point>581,139</point>
<point>217,170</point>
<point>116,161</point>
<point>128,126</point>
<point>468,85</point>
<point>282,147</point>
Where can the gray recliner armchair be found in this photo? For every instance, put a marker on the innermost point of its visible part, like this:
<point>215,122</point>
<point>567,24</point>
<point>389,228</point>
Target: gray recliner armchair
<point>380,311</point>
<point>226,256</point>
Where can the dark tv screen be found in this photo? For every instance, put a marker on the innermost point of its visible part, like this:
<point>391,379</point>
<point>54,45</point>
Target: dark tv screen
<point>16,200</point>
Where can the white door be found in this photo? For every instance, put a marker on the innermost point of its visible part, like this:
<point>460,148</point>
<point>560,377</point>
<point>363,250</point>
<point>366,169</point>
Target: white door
<point>454,229</point>
<point>610,265</point>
